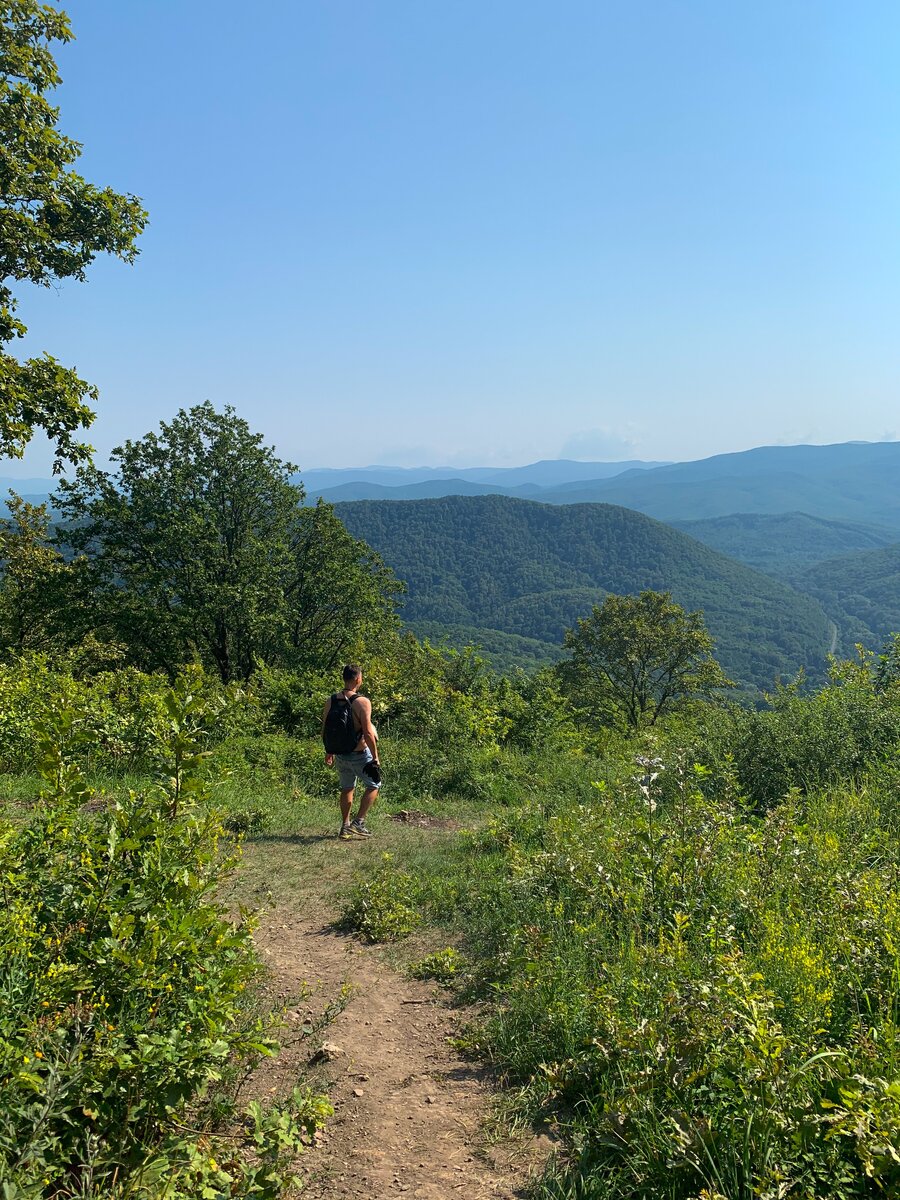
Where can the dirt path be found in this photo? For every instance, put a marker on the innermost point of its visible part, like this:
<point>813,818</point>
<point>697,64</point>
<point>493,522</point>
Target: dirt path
<point>409,1111</point>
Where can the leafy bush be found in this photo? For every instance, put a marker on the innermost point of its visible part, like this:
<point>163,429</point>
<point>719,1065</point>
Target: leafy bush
<point>245,820</point>
<point>382,908</point>
<point>124,989</point>
<point>119,717</point>
<point>443,965</point>
<point>540,717</point>
<point>292,701</point>
<point>839,733</point>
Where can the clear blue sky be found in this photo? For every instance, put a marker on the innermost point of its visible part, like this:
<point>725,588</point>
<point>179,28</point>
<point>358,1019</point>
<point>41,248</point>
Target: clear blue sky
<point>489,232</point>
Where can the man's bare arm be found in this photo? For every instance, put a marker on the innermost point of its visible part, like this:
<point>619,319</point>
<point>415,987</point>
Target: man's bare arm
<point>366,728</point>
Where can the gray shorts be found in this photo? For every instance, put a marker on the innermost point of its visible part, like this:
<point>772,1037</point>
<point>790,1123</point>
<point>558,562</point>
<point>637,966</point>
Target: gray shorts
<point>350,768</point>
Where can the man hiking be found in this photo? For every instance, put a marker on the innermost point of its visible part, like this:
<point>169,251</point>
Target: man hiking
<point>351,741</point>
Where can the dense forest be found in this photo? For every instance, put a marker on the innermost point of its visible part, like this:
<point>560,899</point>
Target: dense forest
<point>785,544</point>
<point>495,563</point>
<point>861,592</point>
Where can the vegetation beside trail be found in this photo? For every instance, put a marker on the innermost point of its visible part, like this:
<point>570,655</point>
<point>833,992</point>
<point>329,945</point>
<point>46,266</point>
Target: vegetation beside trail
<point>129,1006</point>
<point>681,940</point>
<point>686,945</point>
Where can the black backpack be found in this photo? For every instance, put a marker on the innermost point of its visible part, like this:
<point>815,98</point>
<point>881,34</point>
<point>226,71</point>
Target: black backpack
<point>340,735</point>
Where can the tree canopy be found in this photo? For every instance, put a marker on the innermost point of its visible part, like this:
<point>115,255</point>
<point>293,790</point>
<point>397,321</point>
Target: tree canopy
<point>53,223</point>
<point>32,582</point>
<point>198,547</point>
<point>646,653</point>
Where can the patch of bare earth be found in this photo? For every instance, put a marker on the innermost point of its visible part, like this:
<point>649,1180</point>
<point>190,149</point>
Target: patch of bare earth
<point>422,820</point>
<point>410,1112</point>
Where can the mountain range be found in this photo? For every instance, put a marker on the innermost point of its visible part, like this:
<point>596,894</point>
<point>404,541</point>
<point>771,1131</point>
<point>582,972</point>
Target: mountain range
<point>481,566</point>
<point>851,481</point>
<point>548,473</point>
<point>824,521</point>
<point>857,482</point>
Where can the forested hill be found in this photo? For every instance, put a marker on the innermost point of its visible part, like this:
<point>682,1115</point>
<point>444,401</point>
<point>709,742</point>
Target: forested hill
<point>493,563</point>
<point>861,592</point>
<point>785,544</point>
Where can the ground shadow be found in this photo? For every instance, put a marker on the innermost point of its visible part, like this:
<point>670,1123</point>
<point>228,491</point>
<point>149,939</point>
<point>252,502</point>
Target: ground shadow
<point>291,839</point>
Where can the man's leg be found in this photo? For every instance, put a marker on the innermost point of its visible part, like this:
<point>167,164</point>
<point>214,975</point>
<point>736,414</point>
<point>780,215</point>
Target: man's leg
<point>347,805</point>
<point>370,795</point>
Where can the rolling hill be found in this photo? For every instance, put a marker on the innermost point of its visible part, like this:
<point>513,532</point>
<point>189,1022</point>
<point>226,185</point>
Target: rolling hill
<point>861,594</point>
<point>548,473</point>
<point>785,544</point>
<point>426,489</point>
<point>498,564</point>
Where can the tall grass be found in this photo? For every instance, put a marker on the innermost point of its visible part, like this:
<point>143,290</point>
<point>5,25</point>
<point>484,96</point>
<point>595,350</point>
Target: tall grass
<point>705,998</point>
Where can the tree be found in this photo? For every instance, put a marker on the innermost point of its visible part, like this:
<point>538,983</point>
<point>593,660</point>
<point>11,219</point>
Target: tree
<point>340,596</point>
<point>199,548</point>
<point>648,653</point>
<point>53,223</point>
<point>32,574</point>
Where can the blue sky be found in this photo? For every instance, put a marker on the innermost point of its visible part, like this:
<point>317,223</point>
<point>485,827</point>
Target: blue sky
<point>493,231</point>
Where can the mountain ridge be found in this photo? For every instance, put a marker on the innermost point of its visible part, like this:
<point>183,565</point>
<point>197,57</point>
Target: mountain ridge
<point>529,569</point>
<point>850,481</point>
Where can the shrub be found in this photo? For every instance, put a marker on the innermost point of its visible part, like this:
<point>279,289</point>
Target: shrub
<point>118,717</point>
<point>292,701</point>
<point>806,742</point>
<point>124,989</point>
<point>382,908</point>
<point>706,998</point>
<point>443,965</point>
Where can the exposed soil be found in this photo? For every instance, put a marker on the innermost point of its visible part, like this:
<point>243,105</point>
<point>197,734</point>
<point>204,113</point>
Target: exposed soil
<point>422,820</point>
<point>410,1111</point>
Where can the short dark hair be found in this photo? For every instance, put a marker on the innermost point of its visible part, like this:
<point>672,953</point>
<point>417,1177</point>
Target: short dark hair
<point>351,672</point>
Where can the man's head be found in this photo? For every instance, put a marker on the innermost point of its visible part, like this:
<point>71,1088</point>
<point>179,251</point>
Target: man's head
<point>352,676</point>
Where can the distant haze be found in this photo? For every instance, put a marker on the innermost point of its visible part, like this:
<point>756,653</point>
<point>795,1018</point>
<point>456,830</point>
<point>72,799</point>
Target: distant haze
<point>852,481</point>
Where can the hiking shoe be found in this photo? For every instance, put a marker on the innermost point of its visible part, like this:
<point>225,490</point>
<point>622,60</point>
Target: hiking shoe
<point>345,833</point>
<point>359,828</point>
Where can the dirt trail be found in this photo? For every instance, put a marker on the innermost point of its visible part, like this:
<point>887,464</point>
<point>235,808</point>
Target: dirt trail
<point>409,1111</point>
